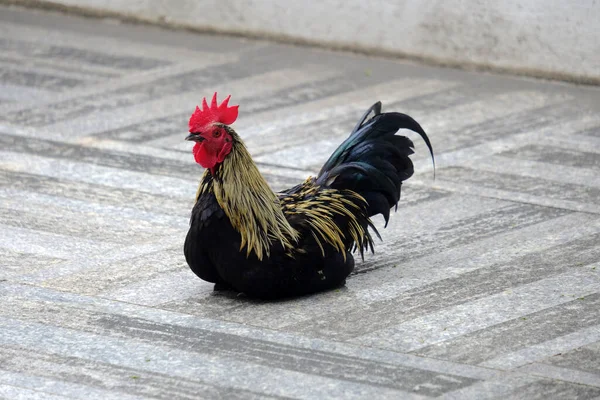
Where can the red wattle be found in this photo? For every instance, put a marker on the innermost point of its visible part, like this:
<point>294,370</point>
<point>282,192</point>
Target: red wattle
<point>203,157</point>
<point>208,159</point>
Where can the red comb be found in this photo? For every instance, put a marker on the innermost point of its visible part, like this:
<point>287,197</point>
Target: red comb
<point>208,115</point>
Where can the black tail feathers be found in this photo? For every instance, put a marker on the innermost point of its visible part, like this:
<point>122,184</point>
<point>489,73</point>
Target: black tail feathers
<point>373,161</point>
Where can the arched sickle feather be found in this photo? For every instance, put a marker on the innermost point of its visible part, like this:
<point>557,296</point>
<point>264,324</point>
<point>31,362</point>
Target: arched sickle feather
<point>407,122</point>
<point>376,108</point>
<point>379,127</point>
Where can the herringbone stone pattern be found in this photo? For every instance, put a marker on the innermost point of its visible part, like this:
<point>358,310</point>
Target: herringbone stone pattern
<point>486,284</point>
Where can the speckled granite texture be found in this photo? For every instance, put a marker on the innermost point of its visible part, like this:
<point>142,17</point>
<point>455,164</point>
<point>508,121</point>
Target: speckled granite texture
<point>487,283</point>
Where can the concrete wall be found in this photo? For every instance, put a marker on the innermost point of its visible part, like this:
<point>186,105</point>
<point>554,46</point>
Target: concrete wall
<point>555,38</point>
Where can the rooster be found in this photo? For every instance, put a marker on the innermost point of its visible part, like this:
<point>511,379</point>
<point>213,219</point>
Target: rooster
<point>268,245</point>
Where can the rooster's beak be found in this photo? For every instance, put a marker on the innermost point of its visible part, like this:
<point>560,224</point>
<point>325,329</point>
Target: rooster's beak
<point>194,137</point>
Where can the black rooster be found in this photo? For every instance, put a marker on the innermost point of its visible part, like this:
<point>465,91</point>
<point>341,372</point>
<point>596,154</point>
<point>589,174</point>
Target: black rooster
<point>268,245</point>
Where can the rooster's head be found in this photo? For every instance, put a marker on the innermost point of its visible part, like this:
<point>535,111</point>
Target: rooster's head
<point>209,128</point>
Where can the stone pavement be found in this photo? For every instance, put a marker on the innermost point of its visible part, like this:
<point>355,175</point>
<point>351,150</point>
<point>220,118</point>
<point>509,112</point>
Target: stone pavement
<point>487,283</point>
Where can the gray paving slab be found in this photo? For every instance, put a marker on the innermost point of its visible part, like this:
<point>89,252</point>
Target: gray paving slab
<point>486,284</point>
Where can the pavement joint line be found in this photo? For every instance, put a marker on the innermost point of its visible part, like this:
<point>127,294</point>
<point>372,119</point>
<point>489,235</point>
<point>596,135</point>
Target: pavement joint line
<point>562,374</point>
<point>541,351</point>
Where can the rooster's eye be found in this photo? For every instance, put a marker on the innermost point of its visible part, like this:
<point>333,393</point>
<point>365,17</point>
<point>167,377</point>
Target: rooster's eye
<point>217,133</point>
